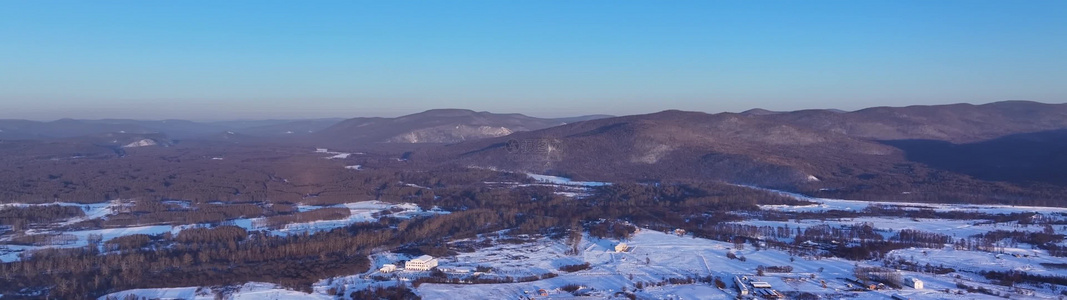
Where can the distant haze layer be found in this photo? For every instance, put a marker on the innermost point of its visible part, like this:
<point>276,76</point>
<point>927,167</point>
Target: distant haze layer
<point>210,60</point>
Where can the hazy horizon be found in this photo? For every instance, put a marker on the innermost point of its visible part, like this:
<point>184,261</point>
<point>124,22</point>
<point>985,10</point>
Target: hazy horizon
<point>288,60</point>
<point>203,120</point>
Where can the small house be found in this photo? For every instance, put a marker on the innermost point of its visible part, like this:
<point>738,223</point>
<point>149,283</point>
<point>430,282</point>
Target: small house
<point>387,268</point>
<point>914,283</point>
<point>621,247</point>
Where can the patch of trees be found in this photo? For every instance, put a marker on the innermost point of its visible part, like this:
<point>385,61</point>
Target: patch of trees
<point>321,214</point>
<point>47,239</point>
<point>386,293</point>
<point>922,238</point>
<point>907,265</point>
<point>887,276</point>
<point>574,268</point>
<point>927,185</point>
<point>991,241</point>
<point>675,281</point>
<point>868,249</point>
<point>976,289</point>
<point>154,212</point>
<point>570,287</point>
<point>897,211</point>
<point>612,230</point>
<point>774,269</point>
<point>215,235</point>
<point>441,277</point>
<point>20,217</point>
<point>128,242</point>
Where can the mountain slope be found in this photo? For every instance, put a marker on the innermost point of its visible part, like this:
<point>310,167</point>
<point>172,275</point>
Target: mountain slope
<point>818,151</point>
<point>435,126</point>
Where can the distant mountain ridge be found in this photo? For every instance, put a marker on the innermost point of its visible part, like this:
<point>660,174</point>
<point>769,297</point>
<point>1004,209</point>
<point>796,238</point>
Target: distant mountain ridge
<point>437,126</point>
<point>178,129</point>
<point>807,150</point>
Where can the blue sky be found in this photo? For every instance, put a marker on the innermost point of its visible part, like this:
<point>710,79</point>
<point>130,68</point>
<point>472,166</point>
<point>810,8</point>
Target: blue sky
<point>298,59</point>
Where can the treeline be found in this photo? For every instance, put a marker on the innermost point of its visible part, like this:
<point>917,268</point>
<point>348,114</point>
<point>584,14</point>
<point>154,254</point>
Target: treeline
<point>147,211</point>
<point>1010,278</point>
<point>899,263</point>
<point>1047,239</point>
<point>326,213</point>
<point>441,277</point>
<point>895,211</point>
<point>20,217</point>
<point>574,268</point>
<point>386,293</point>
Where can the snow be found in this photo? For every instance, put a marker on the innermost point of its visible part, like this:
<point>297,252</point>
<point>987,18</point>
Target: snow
<point>140,143</point>
<point>363,211</point>
<point>954,228</point>
<point>824,204</point>
<point>251,290</point>
<point>163,293</point>
<point>336,155</point>
<point>359,212</point>
<point>340,156</point>
<point>655,256</point>
<point>668,256</point>
<point>564,181</point>
<point>258,291</point>
<point>1029,260</point>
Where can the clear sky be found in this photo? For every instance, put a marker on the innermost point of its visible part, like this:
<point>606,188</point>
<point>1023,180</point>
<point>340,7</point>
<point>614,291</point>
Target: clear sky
<point>297,59</point>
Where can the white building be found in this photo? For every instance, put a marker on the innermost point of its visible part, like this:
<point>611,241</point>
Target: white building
<point>387,268</point>
<point>914,283</point>
<point>760,284</point>
<point>741,287</point>
<point>621,247</point>
<point>421,263</point>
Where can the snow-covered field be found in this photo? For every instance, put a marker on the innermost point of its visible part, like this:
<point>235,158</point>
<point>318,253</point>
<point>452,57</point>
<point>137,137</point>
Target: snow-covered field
<point>653,257</point>
<point>564,181</point>
<point>953,228</point>
<point>249,291</point>
<point>563,186</point>
<point>335,155</point>
<point>359,212</point>
<point>824,204</point>
<point>363,211</point>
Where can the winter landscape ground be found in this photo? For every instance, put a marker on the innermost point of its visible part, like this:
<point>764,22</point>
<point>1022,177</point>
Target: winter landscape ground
<point>792,250</point>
